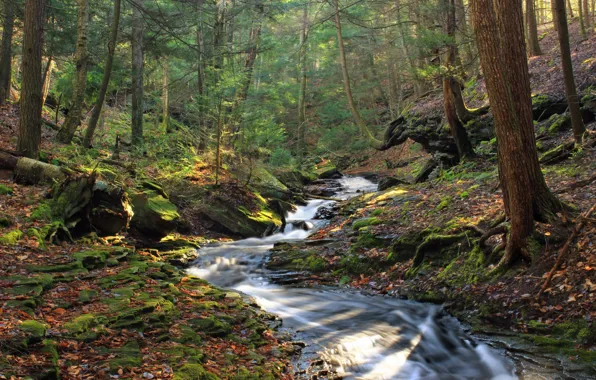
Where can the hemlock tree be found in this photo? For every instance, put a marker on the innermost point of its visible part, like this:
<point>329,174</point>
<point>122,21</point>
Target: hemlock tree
<point>573,100</point>
<point>30,113</point>
<point>107,72</point>
<point>137,74</point>
<point>532,29</point>
<point>526,197</point>
<point>6,52</point>
<point>73,119</point>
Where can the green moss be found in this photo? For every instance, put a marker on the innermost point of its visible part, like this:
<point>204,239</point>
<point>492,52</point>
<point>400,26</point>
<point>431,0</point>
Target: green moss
<point>466,269</point>
<point>87,295</point>
<point>430,296</point>
<point>211,326</point>
<point>82,324</point>
<point>5,190</point>
<point>43,212</point>
<point>365,222</point>
<point>35,330</point>
<point>55,268</point>
<point>445,203</point>
<point>163,207</point>
<point>11,238</point>
<point>183,353</point>
<point>558,123</point>
<point>193,372</point>
<point>91,259</point>
<point>127,356</point>
<point>316,264</point>
<point>367,240</point>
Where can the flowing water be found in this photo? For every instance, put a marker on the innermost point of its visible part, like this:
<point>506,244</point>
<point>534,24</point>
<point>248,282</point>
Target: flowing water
<point>360,336</point>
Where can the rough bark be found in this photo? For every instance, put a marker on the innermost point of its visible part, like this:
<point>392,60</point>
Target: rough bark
<point>31,172</point>
<point>581,18</point>
<point>137,74</point>
<point>107,72</point>
<point>73,119</point>
<point>553,13</point>
<point>573,99</point>
<point>201,76</point>
<point>30,111</point>
<point>587,18</point>
<point>6,52</point>
<point>499,32</point>
<point>532,29</point>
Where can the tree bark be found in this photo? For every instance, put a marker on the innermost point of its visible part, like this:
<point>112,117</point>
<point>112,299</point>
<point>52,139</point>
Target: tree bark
<point>581,18</point>
<point>165,97</point>
<point>526,197</point>
<point>573,99</point>
<point>73,119</point>
<point>587,15</point>
<point>201,77</point>
<point>532,33</point>
<point>360,123</point>
<point>303,83</point>
<point>47,79</point>
<point>30,112</point>
<point>6,53</point>
<point>464,146</point>
<point>570,9</point>
<point>553,13</point>
<point>107,72</point>
<point>137,74</point>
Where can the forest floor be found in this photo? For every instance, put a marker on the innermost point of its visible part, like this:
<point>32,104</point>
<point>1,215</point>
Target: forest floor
<point>103,308</point>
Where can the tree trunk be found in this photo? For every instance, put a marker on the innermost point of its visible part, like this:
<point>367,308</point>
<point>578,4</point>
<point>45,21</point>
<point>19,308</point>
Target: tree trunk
<point>107,72</point>
<point>201,77</point>
<point>137,74</point>
<point>165,97</point>
<point>570,8</point>
<point>47,79</point>
<point>303,82</point>
<point>464,146</point>
<point>73,119</point>
<point>587,18</point>
<point>499,32</point>
<point>30,112</point>
<point>532,34</point>
<point>553,13</point>
<point>6,53</point>
<point>573,100</point>
<point>464,30</point>
<point>581,18</point>
<point>362,126</point>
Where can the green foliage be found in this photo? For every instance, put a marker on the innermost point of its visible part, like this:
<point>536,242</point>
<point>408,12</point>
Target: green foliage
<point>5,190</point>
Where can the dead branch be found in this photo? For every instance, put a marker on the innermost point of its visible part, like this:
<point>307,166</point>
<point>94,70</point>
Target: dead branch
<point>578,227</point>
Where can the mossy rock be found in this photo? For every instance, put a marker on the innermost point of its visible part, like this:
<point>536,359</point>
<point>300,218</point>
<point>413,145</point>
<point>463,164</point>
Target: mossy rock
<point>127,356</point>
<point>180,257</point>
<point>92,259</point>
<point>5,190</point>
<point>559,123</point>
<point>5,221</point>
<point>11,238</point>
<point>211,326</point>
<point>365,222</point>
<point>154,216</point>
<point>34,330</point>
<point>154,186</point>
<point>58,268</point>
<point>264,182</point>
<point>404,247</point>
<point>223,215</point>
<point>543,107</point>
<point>82,324</point>
<point>193,371</point>
<point>294,179</point>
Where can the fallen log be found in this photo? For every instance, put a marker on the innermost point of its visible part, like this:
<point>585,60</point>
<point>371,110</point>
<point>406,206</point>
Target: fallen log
<point>31,172</point>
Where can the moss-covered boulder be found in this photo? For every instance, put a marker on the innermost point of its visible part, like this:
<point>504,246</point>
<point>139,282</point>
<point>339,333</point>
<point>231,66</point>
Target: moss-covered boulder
<point>558,123</point>
<point>389,182</point>
<point>544,106</point>
<point>111,210</point>
<point>294,179</point>
<point>222,215</point>
<point>264,182</point>
<point>34,330</point>
<point>193,372</point>
<point>11,238</point>
<point>154,216</point>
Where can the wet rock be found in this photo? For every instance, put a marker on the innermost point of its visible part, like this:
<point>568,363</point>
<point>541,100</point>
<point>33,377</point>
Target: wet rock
<point>389,182</point>
<point>327,212</point>
<point>324,187</point>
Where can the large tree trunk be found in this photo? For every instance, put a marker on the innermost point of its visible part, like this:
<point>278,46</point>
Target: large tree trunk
<point>30,112</point>
<point>6,53</point>
<point>553,13</point>
<point>499,32</point>
<point>464,146</point>
<point>573,100</point>
<point>137,74</point>
<point>73,119</point>
<point>303,81</point>
<point>532,34</point>
<point>107,72</point>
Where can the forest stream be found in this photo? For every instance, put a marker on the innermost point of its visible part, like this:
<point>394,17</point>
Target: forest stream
<point>359,336</point>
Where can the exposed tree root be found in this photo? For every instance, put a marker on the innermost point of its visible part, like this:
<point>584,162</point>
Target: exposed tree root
<point>502,229</point>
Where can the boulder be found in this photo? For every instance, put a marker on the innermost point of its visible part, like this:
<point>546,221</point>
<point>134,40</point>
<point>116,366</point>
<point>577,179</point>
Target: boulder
<point>543,107</point>
<point>389,182</point>
<point>154,216</point>
<point>221,215</point>
<point>294,179</point>
<point>111,211</point>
